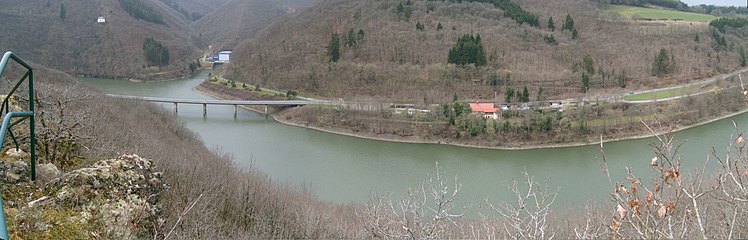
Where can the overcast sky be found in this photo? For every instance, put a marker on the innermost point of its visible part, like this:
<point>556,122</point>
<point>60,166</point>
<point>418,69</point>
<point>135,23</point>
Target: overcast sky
<point>716,2</point>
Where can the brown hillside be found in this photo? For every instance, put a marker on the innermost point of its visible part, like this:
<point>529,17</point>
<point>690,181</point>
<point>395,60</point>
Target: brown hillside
<point>200,6</point>
<point>397,61</point>
<point>79,45</point>
<point>239,20</point>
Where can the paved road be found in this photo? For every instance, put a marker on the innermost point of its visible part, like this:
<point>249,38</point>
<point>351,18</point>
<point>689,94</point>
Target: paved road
<point>615,98</point>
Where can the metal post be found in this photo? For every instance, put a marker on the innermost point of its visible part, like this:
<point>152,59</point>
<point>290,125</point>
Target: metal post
<point>31,125</point>
<point>205,110</point>
<point>176,108</point>
<point>235,106</point>
<point>3,234</point>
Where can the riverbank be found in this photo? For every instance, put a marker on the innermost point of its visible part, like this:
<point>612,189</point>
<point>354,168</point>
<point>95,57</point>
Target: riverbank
<point>287,117</point>
<point>279,119</point>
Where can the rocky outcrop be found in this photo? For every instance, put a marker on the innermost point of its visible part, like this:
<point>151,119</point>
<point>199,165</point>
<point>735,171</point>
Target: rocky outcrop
<point>112,199</point>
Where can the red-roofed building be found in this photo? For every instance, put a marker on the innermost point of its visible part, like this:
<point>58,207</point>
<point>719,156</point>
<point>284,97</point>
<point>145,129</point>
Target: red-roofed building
<point>487,110</point>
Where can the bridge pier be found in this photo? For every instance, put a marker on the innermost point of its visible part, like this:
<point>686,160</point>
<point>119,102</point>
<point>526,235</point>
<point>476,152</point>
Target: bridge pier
<point>205,110</point>
<point>266,111</point>
<point>235,107</point>
<point>176,108</point>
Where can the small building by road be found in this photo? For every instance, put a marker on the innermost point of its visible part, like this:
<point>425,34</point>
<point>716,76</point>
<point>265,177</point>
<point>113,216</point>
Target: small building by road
<point>101,19</point>
<point>486,110</point>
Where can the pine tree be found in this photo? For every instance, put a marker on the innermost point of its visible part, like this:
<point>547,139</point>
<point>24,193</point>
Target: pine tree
<point>361,37</point>
<point>525,95</point>
<point>569,23</point>
<point>585,82</point>
<point>589,65</point>
<point>551,24</point>
<point>742,57</point>
<point>663,64</point>
<point>467,50</point>
<point>622,79</point>
<point>63,13</point>
<point>333,48</point>
<point>539,96</point>
<point>439,27</point>
<point>574,34</point>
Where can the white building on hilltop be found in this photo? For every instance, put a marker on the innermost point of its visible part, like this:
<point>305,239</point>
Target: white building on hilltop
<point>101,20</point>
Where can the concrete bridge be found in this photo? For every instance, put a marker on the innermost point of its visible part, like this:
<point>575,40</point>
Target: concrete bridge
<point>235,103</point>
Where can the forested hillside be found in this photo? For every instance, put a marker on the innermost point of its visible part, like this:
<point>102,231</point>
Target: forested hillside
<point>65,35</point>
<point>400,50</point>
<point>239,20</point>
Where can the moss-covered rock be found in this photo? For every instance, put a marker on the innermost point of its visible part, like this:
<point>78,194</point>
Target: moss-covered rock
<point>112,199</point>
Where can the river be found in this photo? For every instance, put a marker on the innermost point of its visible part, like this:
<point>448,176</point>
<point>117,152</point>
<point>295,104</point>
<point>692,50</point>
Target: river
<point>342,169</point>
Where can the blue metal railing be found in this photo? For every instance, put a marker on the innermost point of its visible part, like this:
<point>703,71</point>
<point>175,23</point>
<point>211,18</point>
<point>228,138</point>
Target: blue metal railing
<point>7,127</point>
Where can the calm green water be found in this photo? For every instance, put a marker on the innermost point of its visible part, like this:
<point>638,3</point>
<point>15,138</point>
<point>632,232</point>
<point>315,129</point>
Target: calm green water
<point>345,169</point>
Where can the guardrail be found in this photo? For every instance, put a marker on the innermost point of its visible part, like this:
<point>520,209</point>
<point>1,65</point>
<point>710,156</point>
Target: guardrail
<point>7,127</point>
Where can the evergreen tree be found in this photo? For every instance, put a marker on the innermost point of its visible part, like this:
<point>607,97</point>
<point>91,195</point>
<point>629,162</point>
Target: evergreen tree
<point>525,95</point>
<point>155,52</point>
<point>585,82</point>
<point>589,65</point>
<point>351,38</point>
<point>468,50</point>
<point>622,79</point>
<point>663,64</point>
<point>63,13</point>
<point>568,24</point>
<point>551,24</point>
<point>419,26</point>
<point>140,10</point>
<point>361,37</point>
<point>509,95</point>
<point>742,57</point>
<point>697,39</point>
<point>439,27</point>
<point>539,97</point>
<point>400,8</point>
<point>333,48</point>
<point>550,39</point>
<point>574,34</point>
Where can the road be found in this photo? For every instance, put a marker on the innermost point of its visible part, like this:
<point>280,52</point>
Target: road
<point>614,98</point>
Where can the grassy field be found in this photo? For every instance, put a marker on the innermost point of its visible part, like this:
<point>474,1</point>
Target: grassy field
<point>659,14</point>
<point>665,93</point>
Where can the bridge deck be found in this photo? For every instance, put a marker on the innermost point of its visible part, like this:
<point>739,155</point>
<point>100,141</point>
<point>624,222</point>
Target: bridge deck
<point>224,102</point>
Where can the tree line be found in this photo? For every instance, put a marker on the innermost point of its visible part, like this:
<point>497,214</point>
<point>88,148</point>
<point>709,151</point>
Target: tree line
<point>511,10</point>
<point>722,23</point>
<point>174,5</point>
<point>140,10</point>
<point>680,6</point>
<point>674,4</point>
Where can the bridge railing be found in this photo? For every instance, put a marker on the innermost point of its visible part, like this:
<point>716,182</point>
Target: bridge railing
<point>7,127</point>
